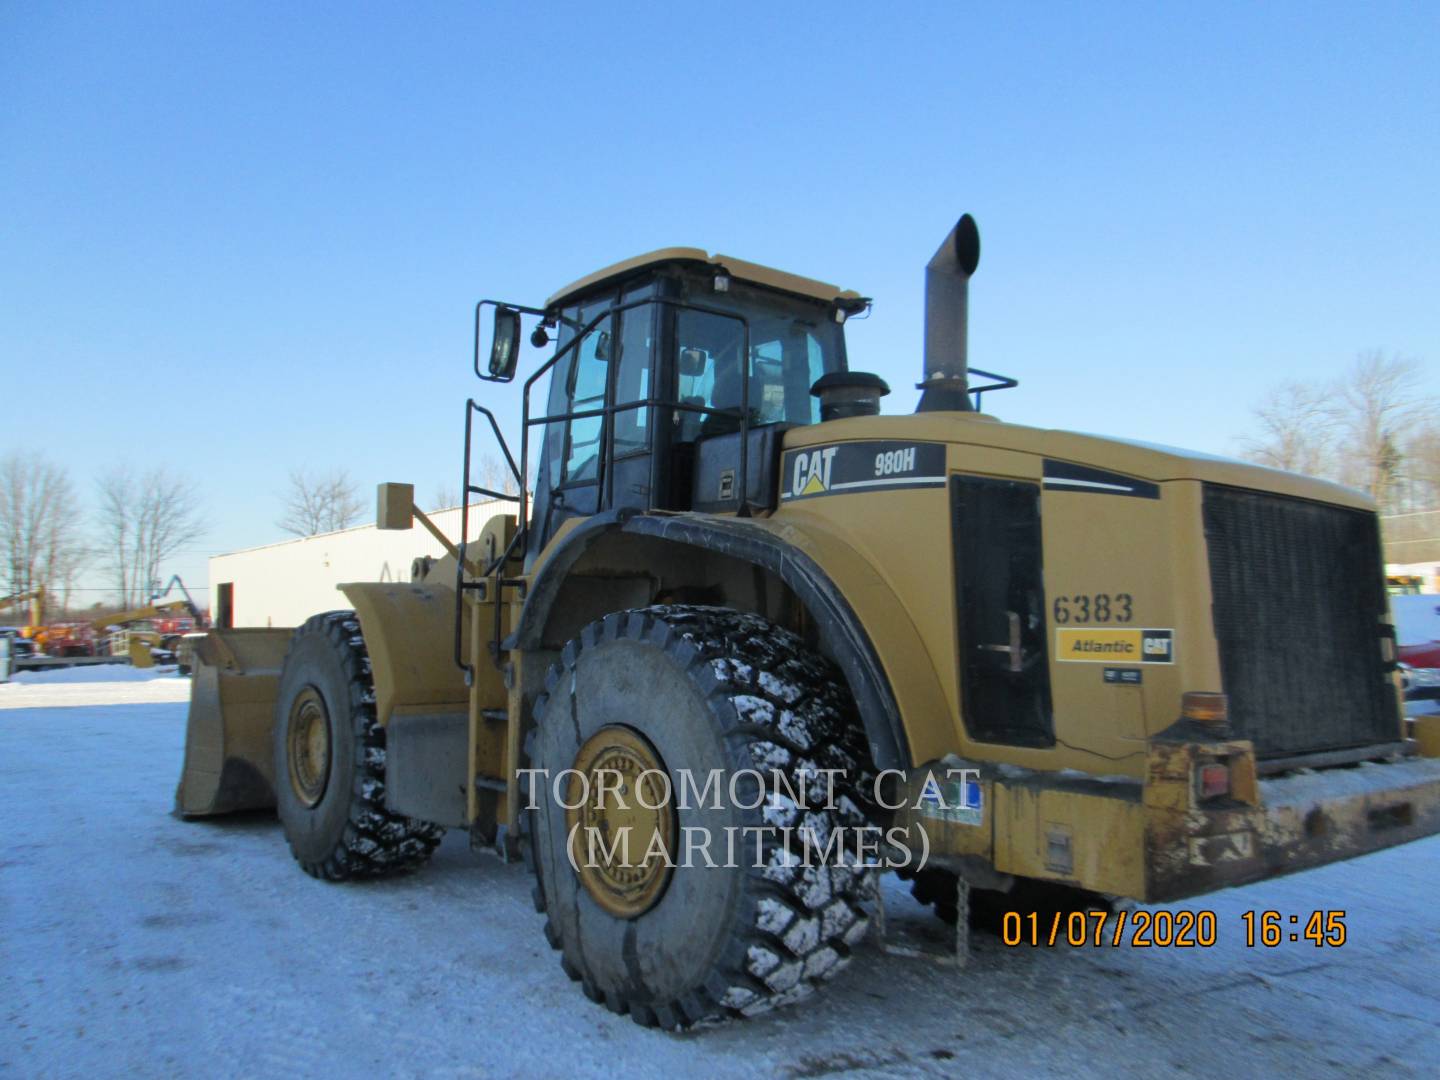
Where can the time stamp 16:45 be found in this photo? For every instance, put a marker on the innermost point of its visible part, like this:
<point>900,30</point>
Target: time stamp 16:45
<point>1169,929</point>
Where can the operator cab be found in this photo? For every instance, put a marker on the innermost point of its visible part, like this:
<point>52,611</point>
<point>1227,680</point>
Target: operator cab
<point>688,370</point>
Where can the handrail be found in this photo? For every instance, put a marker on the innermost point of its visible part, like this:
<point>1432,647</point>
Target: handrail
<point>604,469</point>
<point>462,549</point>
<point>1002,382</point>
<point>610,408</point>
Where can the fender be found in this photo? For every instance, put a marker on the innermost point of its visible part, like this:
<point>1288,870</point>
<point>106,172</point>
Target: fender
<point>786,551</point>
<point>409,633</point>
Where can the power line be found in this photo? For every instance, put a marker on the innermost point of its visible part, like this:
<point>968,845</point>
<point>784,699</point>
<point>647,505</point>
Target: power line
<point>108,588</point>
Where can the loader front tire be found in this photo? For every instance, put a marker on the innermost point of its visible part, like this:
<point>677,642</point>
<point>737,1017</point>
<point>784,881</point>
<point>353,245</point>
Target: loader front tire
<point>330,760</point>
<point>674,689</point>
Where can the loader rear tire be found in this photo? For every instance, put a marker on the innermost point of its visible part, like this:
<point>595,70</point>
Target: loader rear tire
<point>330,760</point>
<point>698,689</point>
<point>937,888</point>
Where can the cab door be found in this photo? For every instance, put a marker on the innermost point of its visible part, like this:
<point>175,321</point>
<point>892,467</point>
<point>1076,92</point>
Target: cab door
<point>632,437</point>
<point>594,459</point>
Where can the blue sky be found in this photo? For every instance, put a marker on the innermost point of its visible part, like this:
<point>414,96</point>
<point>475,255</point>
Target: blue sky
<point>244,237</point>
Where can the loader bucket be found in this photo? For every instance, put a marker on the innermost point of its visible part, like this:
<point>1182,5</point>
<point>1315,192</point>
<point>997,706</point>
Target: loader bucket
<point>229,763</point>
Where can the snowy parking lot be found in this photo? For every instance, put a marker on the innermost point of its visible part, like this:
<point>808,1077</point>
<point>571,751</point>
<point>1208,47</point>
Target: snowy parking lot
<point>135,943</point>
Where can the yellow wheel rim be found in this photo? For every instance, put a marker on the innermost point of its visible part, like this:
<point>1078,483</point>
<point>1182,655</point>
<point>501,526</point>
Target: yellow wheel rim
<point>622,827</point>
<point>308,746</point>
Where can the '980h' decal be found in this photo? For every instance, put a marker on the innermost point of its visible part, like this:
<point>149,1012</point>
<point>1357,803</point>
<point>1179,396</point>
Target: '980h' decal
<point>871,465</point>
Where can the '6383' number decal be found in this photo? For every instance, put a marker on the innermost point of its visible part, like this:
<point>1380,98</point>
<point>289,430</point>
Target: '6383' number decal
<point>1094,608</point>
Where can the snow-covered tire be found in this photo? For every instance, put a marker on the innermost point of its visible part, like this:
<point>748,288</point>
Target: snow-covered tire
<point>708,688</point>
<point>348,832</point>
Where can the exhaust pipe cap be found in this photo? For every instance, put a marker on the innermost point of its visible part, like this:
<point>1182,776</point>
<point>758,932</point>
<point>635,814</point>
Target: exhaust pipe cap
<point>966,239</point>
<point>945,382</point>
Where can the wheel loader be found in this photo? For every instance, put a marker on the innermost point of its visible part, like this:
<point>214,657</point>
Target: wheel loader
<point>734,599</point>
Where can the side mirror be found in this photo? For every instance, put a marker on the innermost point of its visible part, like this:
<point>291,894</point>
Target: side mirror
<point>505,346</point>
<point>602,347</point>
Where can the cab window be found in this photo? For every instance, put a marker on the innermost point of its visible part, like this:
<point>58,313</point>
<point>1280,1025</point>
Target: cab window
<point>790,347</point>
<point>577,384</point>
<point>587,391</point>
<point>632,380</point>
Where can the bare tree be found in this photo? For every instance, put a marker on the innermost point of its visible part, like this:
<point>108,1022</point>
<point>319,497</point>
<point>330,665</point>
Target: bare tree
<point>145,519</point>
<point>117,494</point>
<point>1378,405</point>
<point>320,503</point>
<point>1422,459</point>
<point>65,555</point>
<point>1298,429</point>
<point>39,526</point>
<point>490,472</point>
<point>1361,429</point>
<point>496,475</point>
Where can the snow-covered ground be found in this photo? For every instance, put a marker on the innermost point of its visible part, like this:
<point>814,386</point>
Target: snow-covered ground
<point>134,943</point>
<point>93,684</point>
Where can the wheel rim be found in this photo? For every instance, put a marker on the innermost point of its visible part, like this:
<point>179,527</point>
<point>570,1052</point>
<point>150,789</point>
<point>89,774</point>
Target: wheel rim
<point>308,746</point>
<point>622,825</point>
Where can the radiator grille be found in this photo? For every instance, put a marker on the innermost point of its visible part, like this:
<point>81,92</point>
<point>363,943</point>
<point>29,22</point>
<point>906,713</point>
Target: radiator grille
<point>1299,601</point>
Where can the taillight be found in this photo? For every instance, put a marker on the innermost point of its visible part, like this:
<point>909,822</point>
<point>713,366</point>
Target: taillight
<point>1214,780</point>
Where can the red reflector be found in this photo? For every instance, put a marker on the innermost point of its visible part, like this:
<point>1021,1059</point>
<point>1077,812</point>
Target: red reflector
<point>1214,780</point>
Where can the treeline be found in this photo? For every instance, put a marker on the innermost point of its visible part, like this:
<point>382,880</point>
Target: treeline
<point>53,536</point>
<point>54,533</point>
<point>1376,428</point>
<point>49,535</point>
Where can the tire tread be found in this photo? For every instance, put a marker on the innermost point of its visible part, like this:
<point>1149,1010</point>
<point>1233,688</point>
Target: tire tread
<point>375,842</point>
<point>795,715</point>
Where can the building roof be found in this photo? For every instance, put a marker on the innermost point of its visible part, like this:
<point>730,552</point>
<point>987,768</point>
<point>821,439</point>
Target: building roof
<point>737,268</point>
<point>442,516</point>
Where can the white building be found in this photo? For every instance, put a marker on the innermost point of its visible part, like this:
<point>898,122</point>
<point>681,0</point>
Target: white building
<point>1412,547</point>
<point>283,584</point>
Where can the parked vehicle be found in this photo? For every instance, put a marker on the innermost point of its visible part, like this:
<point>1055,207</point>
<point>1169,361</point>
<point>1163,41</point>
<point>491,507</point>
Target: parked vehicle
<point>1152,671</point>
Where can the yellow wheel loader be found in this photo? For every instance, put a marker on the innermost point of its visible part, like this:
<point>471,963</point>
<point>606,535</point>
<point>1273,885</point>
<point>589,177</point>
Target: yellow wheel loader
<point>746,643</point>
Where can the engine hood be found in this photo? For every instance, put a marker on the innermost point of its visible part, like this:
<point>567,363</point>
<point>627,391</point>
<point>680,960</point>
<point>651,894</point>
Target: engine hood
<point>1144,461</point>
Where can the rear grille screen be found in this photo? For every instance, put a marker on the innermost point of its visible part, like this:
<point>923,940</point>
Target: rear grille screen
<point>1298,608</point>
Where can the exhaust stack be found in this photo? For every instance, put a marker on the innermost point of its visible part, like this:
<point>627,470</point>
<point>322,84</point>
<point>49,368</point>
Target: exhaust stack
<point>946,383</point>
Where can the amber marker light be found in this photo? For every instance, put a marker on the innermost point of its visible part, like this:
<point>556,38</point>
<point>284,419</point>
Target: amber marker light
<point>1211,710</point>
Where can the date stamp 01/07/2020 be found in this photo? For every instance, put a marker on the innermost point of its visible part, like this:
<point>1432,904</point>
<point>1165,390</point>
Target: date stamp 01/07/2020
<point>1168,929</point>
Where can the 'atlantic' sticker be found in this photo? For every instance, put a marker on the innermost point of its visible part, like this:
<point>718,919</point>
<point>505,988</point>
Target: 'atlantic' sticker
<point>860,466</point>
<point>1107,645</point>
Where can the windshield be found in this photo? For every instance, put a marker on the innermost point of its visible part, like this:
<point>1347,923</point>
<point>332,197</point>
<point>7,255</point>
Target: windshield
<point>792,343</point>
